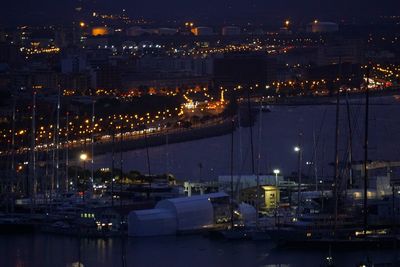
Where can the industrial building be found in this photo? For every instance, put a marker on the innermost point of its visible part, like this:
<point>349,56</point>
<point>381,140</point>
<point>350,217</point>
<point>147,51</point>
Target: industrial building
<point>230,30</point>
<point>202,31</point>
<point>322,27</point>
<point>242,182</point>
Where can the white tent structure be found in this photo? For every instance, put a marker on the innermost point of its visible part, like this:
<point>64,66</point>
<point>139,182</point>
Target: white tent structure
<point>151,222</point>
<point>177,215</point>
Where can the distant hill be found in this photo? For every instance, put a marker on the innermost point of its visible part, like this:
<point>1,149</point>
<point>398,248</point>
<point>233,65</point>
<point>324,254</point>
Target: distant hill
<point>39,11</point>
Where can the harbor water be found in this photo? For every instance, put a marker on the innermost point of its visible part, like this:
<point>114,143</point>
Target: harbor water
<point>181,251</point>
<point>275,134</point>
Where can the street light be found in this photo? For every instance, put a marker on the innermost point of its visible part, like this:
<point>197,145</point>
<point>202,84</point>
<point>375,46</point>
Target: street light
<point>83,157</point>
<point>299,151</point>
<point>276,172</point>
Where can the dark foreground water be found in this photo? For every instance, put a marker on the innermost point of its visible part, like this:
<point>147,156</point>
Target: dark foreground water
<point>185,251</point>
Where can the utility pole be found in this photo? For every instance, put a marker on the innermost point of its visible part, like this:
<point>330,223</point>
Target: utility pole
<point>299,150</point>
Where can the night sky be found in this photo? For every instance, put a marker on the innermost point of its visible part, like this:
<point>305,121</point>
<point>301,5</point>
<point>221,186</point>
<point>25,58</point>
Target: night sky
<point>22,11</point>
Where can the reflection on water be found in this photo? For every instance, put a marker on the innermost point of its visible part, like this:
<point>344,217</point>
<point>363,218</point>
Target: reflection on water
<point>194,251</point>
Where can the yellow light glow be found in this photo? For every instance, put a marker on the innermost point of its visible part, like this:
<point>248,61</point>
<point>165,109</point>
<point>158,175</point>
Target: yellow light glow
<point>83,156</point>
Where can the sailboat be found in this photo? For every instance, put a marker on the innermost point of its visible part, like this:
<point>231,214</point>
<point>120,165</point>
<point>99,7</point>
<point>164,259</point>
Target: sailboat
<point>244,232</point>
<point>335,227</point>
<point>324,227</point>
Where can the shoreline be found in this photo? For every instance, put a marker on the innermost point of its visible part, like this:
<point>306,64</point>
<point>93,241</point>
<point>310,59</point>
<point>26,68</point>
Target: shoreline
<point>219,128</point>
<point>216,128</point>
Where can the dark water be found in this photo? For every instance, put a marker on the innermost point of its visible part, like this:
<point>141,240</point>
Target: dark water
<point>184,251</point>
<point>279,134</point>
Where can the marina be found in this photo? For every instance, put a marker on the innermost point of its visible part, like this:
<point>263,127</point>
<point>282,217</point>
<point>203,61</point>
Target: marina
<point>98,217</point>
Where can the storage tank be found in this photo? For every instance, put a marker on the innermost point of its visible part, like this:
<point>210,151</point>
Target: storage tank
<point>135,31</point>
<point>322,26</point>
<point>202,31</point>
<point>230,30</point>
<point>166,31</point>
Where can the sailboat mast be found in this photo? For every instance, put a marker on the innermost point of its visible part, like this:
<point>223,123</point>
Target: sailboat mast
<point>33,155</point>
<point>167,152</point>
<point>259,141</point>
<point>92,147</point>
<point>251,130</point>
<point>13,173</point>
<point>252,153</point>
<point>240,155</point>
<point>13,184</point>
<point>147,153</point>
<point>232,192</point>
<point>57,137</point>
<point>258,164</point>
<point>123,258</point>
<point>299,170</point>
<point>112,165</point>
<point>67,153</point>
<point>365,205</point>
<point>315,160</point>
<point>121,166</point>
<point>350,147</point>
<point>53,161</point>
<point>148,162</point>
<point>336,169</point>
